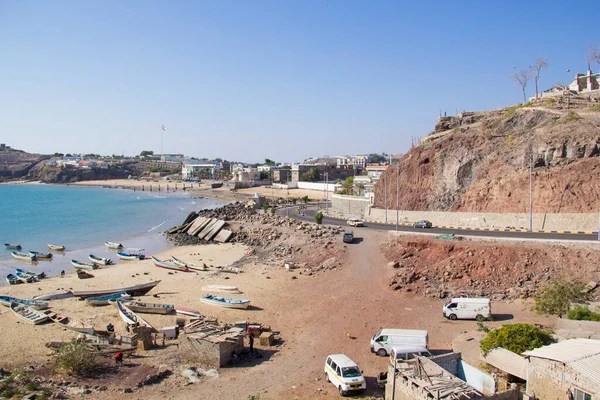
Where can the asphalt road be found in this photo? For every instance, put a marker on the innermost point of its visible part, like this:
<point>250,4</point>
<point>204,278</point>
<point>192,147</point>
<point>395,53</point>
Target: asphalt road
<point>310,212</point>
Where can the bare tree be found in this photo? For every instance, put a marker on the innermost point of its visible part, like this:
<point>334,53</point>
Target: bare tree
<point>537,68</point>
<point>521,78</point>
<point>594,53</point>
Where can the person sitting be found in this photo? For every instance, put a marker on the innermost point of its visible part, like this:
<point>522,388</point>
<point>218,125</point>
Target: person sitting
<point>110,328</point>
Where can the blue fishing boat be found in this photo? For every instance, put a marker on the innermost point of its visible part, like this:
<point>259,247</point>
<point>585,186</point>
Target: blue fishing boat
<point>21,273</point>
<point>100,260</point>
<point>131,255</point>
<point>227,302</point>
<point>12,279</point>
<point>7,300</point>
<point>79,264</point>
<point>40,255</point>
<point>103,300</point>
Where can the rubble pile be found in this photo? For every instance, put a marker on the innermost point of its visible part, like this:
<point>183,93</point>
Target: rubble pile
<point>443,270</point>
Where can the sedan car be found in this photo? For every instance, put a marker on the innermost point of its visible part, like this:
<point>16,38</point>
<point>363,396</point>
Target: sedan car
<point>355,222</point>
<point>422,224</point>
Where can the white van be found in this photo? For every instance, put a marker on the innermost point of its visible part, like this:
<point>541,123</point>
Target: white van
<point>383,341</point>
<point>407,352</point>
<point>344,374</point>
<point>468,308</point>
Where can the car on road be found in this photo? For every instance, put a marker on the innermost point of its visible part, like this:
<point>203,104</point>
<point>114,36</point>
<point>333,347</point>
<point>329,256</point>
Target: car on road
<point>422,224</point>
<point>348,237</point>
<point>344,374</point>
<point>355,222</point>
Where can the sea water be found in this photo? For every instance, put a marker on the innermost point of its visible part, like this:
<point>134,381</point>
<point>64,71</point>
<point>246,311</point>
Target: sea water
<point>83,218</point>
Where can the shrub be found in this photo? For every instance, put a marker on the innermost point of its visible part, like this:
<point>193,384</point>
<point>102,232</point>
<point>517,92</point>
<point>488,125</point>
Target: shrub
<point>517,338</point>
<point>76,357</point>
<point>571,116</point>
<point>582,313</point>
<point>595,107</point>
<point>265,206</point>
<point>509,139</point>
<point>273,211</point>
<point>319,217</point>
<point>550,101</point>
<point>556,298</point>
<point>509,112</point>
<point>305,199</point>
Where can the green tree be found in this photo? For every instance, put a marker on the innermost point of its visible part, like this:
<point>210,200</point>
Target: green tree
<point>348,185</point>
<point>305,199</point>
<point>294,200</point>
<point>582,313</point>
<point>265,206</point>
<point>273,211</point>
<point>337,181</point>
<point>319,217</point>
<point>146,153</point>
<point>264,175</point>
<point>556,297</point>
<point>310,176</point>
<point>76,357</point>
<point>270,162</point>
<point>517,338</point>
<point>361,188</point>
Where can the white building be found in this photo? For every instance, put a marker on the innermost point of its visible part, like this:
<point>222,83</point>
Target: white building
<point>191,170</point>
<point>359,161</point>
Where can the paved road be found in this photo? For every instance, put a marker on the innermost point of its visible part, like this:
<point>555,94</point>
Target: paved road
<point>310,212</point>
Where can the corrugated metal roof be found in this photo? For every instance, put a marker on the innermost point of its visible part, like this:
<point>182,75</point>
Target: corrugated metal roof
<point>581,355</point>
<point>567,351</point>
<point>507,361</point>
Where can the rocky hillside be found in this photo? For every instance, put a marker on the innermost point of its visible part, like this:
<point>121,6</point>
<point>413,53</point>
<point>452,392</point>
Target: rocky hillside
<point>17,163</point>
<point>480,161</point>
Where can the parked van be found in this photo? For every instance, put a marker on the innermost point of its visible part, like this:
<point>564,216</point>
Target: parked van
<point>344,374</point>
<point>383,341</point>
<point>468,308</point>
<point>407,352</point>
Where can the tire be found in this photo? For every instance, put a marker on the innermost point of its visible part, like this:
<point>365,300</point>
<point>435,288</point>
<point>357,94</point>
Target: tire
<point>453,317</point>
<point>342,393</point>
<point>381,353</point>
<point>480,318</point>
<point>327,377</point>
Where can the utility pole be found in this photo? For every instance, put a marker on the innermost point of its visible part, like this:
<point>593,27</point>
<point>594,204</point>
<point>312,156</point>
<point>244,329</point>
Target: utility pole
<point>397,193</point>
<point>326,194</point>
<point>385,195</point>
<point>287,208</point>
<point>530,191</point>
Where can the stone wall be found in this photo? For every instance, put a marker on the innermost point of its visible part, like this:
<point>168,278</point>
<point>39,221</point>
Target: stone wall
<point>349,206</point>
<point>550,380</point>
<point>196,350</point>
<point>450,362</point>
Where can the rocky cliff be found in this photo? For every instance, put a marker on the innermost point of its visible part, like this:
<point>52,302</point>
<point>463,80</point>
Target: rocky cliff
<point>480,161</point>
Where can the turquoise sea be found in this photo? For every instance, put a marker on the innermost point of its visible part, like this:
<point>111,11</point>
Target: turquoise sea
<point>83,218</point>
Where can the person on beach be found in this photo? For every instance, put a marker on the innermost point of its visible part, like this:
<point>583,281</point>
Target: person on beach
<point>110,328</point>
<point>62,273</point>
<point>119,358</point>
<point>251,342</point>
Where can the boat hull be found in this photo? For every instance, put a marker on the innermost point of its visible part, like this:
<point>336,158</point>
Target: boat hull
<point>37,304</point>
<point>146,308</point>
<point>78,264</point>
<point>99,260</point>
<point>23,256</point>
<point>225,302</point>
<point>188,311</point>
<point>28,314</point>
<point>55,296</point>
<point>55,247</point>
<point>161,264</point>
<point>138,290</point>
<point>130,317</point>
<point>103,300</point>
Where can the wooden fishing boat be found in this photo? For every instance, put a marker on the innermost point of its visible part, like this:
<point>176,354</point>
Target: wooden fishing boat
<point>79,264</point>
<point>23,256</point>
<point>138,290</point>
<point>81,274</point>
<point>221,289</point>
<point>226,302</point>
<point>12,279</point>
<point>11,246</point>
<point>114,246</point>
<point>21,273</point>
<point>69,323</point>
<point>40,255</point>
<point>56,247</point>
<point>132,318</point>
<point>189,311</point>
<point>100,260</point>
<point>37,304</point>
<point>145,308</point>
<point>55,296</point>
<point>103,300</point>
<point>131,254</point>
<point>230,269</point>
<point>192,266</point>
<point>28,314</point>
<point>161,264</point>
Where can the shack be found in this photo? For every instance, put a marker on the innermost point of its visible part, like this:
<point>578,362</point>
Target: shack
<point>210,344</point>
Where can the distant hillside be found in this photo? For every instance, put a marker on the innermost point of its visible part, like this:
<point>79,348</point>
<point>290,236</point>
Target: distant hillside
<point>17,163</point>
<point>480,161</point>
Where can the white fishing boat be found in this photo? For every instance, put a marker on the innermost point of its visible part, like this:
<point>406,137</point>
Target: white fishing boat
<point>146,308</point>
<point>69,323</point>
<point>28,314</point>
<point>226,302</point>
<point>17,255</point>
<point>189,311</point>
<point>55,247</point>
<point>100,260</point>
<point>132,318</point>
<point>79,264</point>
<point>114,246</point>
<point>37,304</point>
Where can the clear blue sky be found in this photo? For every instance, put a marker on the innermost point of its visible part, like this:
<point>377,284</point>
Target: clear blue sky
<point>283,79</point>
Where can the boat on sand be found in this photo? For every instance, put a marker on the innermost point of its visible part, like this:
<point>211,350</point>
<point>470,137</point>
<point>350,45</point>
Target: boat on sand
<point>132,318</point>
<point>103,300</point>
<point>13,279</point>
<point>162,264</point>
<point>69,323</point>
<point>137,290</point>
<point>28,314</point>
<point>226,302</point>
<point>28,275</point>
<point>100,260</point>
<point>79,264</point>
<point>189,311</point>
<point>55,296</point>
<point>37,304</point>
<point>114,246</point>
<point>142,307</point>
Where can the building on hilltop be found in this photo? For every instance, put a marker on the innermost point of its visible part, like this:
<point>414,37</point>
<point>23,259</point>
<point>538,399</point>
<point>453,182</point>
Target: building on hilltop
<point>587,84</point>
<point>194,169</point>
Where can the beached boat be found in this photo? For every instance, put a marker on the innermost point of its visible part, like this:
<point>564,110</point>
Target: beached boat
<point>40,255</point>
<point>23,256</point>
<point>11,246</point>
<point>189,311</point>
<point>146,308</point>
<point>114,246</point>
<point>12,279</point>
<point>21,273</point>
<point>81,274</point>
<point>196,267</point>
<point>79,264</point>
<point>162,264</point>
<point>138,290</point>
<point>227,302</point>
<point>55,296</point>
<point>28,314</point>
<point>132,318</point>
<point>103,300</point>
<point>222,289</point>
<point>131,254</point>
<point>100,260</point>
<point>56,247</point>
<point>69,323</point>
<point>8,300</point>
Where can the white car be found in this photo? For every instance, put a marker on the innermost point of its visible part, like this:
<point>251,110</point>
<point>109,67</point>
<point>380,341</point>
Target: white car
<point>344,374</point>
<point>355,222</point>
